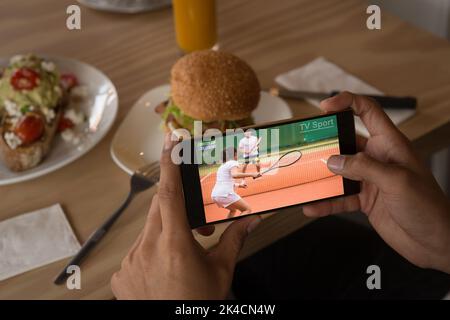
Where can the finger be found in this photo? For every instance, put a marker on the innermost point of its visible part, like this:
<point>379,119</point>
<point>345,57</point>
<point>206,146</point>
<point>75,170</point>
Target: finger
<point>372,115</point>
<point>151,230</point>
<point>232,240</point>
<point>360,167</point>
<point>170,193</point>
<point>206,230</point>
<point>318,209</point>
<point>138,241</point>
<point>153,223</point>
<point>325,208</point>
<point>152,226</point>
<point>115,286</point>
<point>361,142</point>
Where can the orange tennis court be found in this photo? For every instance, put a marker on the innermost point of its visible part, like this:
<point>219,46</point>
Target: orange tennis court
<point>306,180</point>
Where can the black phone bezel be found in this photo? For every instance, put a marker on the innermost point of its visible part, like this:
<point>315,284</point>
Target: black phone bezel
<point>191,180</point>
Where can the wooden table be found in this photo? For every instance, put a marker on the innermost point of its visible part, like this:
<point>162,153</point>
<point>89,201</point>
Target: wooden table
<point>137,51</point>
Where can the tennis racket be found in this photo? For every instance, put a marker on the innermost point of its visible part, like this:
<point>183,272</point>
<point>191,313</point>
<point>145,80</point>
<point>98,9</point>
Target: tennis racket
<point>286,160</point>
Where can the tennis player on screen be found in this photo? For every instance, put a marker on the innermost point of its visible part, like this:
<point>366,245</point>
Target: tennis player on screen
<point>249,148</point>
<point>223,193</point>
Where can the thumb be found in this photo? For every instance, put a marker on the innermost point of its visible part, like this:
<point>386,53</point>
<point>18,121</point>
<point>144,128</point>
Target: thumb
<point>360,167</point>
<point>232,240</point>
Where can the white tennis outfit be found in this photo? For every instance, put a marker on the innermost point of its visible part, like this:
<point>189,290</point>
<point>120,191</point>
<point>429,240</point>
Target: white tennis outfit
<point>223,192</point>
<point>247,144</point>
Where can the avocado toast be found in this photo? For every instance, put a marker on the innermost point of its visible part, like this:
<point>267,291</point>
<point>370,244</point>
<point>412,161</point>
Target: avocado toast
<point>31,103</point>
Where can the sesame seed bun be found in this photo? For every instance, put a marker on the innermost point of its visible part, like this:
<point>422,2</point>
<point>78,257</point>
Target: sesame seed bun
<point>213,85</point>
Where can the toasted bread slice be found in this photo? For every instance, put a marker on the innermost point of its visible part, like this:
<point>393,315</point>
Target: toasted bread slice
<point>29,156</point>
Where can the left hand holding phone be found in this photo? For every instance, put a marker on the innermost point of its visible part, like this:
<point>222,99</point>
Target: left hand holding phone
<point>166,262</point>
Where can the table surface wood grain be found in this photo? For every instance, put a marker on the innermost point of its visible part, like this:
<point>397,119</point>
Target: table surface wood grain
<point>137,51</point>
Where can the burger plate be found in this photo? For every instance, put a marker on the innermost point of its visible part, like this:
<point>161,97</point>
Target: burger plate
<point>139,139</point>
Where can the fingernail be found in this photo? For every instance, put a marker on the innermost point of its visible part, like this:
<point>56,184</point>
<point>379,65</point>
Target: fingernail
<point>327,100</point>
<point>252,225</point>
<point>336,163</point>
<point>167,141</point>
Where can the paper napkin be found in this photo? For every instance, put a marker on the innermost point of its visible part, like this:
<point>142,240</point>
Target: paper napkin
<point>321,75</point>
<point>34,239</point>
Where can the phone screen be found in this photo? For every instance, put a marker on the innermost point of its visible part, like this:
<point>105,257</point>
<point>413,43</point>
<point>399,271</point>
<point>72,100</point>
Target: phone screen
<point>263,169</point>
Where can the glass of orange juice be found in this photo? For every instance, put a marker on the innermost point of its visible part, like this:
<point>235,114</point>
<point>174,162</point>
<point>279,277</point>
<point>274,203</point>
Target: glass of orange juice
<point>195,24</point>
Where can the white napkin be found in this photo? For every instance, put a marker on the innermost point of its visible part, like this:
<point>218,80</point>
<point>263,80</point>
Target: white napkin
<point>35,239</point>
<point>321,75</point>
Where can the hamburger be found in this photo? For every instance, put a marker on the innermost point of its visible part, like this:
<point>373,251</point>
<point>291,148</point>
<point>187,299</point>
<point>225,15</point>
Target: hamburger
<point>214,87</point>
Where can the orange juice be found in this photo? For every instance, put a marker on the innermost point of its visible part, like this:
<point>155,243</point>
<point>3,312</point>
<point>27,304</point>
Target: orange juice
<point>195,24</point>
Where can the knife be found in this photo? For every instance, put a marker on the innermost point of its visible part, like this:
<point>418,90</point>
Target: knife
<point>387,102</point>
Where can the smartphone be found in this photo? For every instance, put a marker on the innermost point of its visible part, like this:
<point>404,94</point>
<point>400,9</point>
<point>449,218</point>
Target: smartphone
<point>259,169</point>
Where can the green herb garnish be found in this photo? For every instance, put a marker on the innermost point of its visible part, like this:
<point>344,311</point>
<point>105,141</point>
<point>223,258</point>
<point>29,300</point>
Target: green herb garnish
<point>25,109</point>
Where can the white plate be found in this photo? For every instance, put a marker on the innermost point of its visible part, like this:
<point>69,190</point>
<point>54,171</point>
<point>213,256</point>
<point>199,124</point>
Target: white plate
<point>100,107</point>
<point>138,140</point>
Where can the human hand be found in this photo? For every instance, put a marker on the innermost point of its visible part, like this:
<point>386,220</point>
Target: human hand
<point>399,195</point>
<point>242,184</point>
<point>166,262</point>
<point>256,175</point>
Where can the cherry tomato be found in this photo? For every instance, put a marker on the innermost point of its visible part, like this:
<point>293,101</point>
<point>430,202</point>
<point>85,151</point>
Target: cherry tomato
<point>64,124</point>
<point>24,79</point>
<point>69,80</point>
<point>30,128</point>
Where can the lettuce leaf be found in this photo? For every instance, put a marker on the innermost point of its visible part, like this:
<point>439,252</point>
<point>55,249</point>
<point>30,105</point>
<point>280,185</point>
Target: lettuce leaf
<point>184,120</point>
<point>187,122</point>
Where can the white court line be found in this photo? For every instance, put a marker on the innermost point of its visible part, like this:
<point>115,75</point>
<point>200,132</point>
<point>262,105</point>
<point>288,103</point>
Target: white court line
<point>275,171</point>
<point>303,163</point>
<point>202,179</point>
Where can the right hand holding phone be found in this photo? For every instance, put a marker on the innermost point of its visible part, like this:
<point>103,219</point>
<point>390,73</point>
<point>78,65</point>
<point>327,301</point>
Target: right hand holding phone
<point>399,195</point>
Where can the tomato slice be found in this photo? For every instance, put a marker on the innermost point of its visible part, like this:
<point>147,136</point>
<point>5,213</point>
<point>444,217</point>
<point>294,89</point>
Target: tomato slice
<point>68,81</point>
<point>24,79</point>
<point>30,128</point>
<point>64,124</point>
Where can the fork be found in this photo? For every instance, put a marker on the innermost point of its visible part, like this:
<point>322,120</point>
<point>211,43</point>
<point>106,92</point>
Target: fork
<point>141,180</point>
